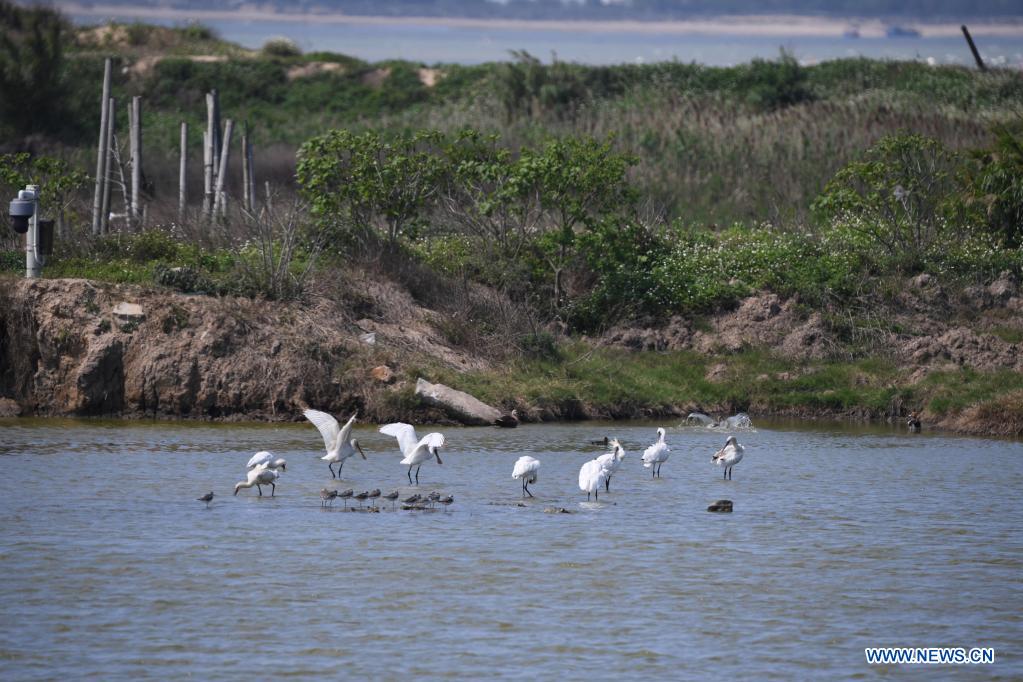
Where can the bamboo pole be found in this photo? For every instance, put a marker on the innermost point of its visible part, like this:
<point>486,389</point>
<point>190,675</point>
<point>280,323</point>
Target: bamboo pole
<point>101,152</point>
<point>136,160</point>
<point>104,223</point>
<point>246,199</point>
<point>182,172</point>
<point>220,198</point>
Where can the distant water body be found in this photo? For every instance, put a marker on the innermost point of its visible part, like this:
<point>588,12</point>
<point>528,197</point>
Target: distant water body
<point>437,43</point>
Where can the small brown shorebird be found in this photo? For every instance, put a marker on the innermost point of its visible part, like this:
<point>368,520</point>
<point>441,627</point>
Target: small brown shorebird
<point>207,498</point>
<point>345,495</point>
<point>433,497</point>
<point>361,497</point>
<point>392,496</point>
<point>446,500</point>
<point>374,494</point>
<point>327,497</point>
<point>412,499</point>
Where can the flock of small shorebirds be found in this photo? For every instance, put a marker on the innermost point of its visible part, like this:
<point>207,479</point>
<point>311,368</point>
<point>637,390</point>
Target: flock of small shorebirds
<point>265,469</point>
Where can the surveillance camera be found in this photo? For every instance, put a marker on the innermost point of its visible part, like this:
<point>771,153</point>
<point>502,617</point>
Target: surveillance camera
<point>21,210</point>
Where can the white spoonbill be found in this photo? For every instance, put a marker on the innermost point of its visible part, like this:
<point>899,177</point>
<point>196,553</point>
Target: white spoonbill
<point>611,461</point>
<point>335,439</point>
<point>591,476</point>
<point>259,477</point>
<point>528,469</point>
<point>656,455</point>
<point>266,459</point>
<point>416,451</point>
<point>728,456</point>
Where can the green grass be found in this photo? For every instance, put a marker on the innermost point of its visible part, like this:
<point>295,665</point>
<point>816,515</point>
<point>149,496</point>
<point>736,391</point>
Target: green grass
<point>948,392</point>
<point>621,383</point>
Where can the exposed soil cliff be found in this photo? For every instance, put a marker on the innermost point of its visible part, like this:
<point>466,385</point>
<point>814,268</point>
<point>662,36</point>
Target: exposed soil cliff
<point>74,347</point>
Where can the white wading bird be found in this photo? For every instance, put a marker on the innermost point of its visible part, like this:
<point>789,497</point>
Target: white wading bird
<point>591,476</point>
<point>656,455</point>
<point>259,477</point>
<point>335,439</point>
<point>611,461</point>
<point>416,451</point>
<point>266,459</point>
<point>728,456</point>
<point>528,469</point>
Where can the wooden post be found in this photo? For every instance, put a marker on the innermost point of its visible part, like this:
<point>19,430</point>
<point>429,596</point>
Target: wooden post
<point>104,223</point>
<point>220,199</point>
<point>217,138</point>
<point>251,189</point>
<point>182,172</point>
<point>209,143</point>
<point>207,165</point>
<point>246,202</point>
<point>101,153</point>
<point>136,160</point>
<point>973,48</point>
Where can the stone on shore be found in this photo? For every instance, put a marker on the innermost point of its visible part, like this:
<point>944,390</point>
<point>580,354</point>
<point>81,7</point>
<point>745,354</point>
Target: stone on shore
<point>460,405</point>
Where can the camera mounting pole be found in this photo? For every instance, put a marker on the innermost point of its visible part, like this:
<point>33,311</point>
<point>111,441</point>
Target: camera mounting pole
<point>24,215</point>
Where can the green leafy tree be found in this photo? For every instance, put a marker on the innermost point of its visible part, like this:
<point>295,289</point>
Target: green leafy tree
<point>59,183</point>
<point>31,69</point>
<point>575,183</point>
<point>372,185</point>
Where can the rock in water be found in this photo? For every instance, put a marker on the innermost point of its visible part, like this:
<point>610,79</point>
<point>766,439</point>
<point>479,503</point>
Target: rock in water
<point>462,406</point>
<point>721,506</point>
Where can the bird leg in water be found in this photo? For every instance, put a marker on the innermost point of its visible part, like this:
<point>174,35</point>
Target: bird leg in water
<point>260,489</point>
<point>339,468</point>
<point>525,488</point>
<point>330,465</point>
<point>273,489</point>
<point>417,473</point>
<point>607,484</point>
<point>410,475</point>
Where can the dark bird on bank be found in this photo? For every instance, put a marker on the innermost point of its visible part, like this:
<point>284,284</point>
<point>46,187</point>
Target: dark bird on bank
<point>605,442</point>
<point>508,421</point>
<point>913,422</point>
<point>412,499</point>
<point>207,498</point>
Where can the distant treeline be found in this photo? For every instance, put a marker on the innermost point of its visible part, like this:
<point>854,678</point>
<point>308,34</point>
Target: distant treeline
<point>633,9</point>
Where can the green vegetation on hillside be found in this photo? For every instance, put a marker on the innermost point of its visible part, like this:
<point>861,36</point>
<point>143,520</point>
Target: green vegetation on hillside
<point>582,197</point>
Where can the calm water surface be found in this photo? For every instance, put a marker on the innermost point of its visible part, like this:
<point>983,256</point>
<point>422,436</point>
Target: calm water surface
<point>454,44</point>
<point>842,538</point>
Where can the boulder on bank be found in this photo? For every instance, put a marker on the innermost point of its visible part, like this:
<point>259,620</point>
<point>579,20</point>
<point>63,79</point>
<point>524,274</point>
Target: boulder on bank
<point>460,405</point>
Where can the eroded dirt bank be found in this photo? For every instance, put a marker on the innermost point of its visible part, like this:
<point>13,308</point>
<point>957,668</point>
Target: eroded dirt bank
<point>80,348</point>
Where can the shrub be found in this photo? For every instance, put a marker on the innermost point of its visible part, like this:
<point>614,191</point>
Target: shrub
<point>281,47</point>
<point>903,195</point>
